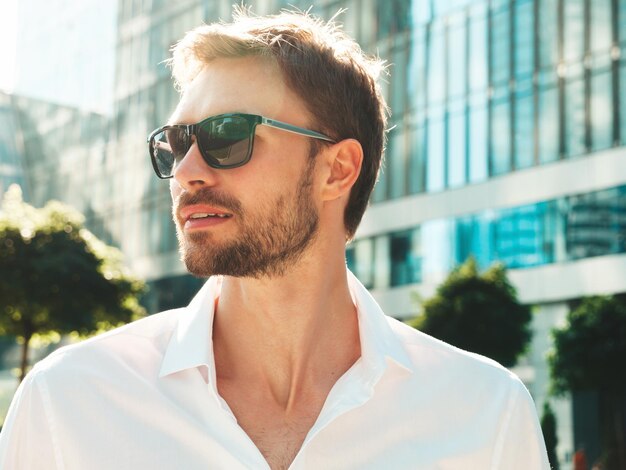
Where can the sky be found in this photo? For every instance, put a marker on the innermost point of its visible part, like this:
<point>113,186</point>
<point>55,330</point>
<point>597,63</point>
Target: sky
<point>8,36</point>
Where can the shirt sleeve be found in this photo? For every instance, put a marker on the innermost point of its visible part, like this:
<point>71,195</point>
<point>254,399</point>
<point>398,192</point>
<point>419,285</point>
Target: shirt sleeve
<point>521,445</point>
<point>26,440</point>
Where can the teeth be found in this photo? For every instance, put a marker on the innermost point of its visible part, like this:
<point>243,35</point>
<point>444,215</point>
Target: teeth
<point>203,215</point>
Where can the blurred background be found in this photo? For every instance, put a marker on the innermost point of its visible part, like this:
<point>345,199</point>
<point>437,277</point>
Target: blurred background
<point>507,143</point>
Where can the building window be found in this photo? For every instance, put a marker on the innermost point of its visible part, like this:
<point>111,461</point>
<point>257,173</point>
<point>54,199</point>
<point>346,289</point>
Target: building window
<point>524,126</point>
<point>524,32</point>
<point>596,223</point>
<point>573,31</point>
<point>477,50</point>
<point>405,257</point>
<point>435,166</point>
<point>500,46</point>
<point>600,22</point>
<point>363,267</point>
<point>520,236</point>
<point>548,125</point>
<point>501,136</point>
<point>601,109</point>
<point>416,84</point>
<point>548,33</point>
<point>417,163</point>
<point>457,73</point>
<point>574,116</point>
<point>477,135</point>
<point>396,162</point>
<point>399,72</point>
<point>622,97</point>
<point>382,271</point>
<point>456,148</point>
<point>437,64</point>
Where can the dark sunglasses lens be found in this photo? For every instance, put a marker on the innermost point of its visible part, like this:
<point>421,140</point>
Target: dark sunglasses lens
<point>169,147</point>
<point>225,141</point>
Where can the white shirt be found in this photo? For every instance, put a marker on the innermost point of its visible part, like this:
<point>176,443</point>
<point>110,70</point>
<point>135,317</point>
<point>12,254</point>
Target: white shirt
<point>144,397</point>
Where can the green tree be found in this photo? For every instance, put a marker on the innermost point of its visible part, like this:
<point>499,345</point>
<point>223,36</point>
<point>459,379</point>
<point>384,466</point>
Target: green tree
<point>55,276</point>
<point>548,428</point>
<point>589,354</point>
<point>479,313</point>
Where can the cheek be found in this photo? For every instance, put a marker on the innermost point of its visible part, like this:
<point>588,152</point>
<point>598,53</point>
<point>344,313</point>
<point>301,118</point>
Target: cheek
<point>175,189</point>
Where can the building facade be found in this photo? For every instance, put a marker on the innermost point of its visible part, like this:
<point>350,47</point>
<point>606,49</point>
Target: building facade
<point>507,141</point>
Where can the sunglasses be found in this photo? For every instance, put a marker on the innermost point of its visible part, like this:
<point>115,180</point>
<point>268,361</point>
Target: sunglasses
<point>225,141</point>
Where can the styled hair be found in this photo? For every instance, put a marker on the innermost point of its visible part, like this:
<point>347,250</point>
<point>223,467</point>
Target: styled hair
<point>336,81</point>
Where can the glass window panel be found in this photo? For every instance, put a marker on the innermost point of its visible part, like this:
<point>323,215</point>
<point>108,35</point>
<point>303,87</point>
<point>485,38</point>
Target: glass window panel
<point>380,190</point>
<point>438,259</point>
<point>500,138</point>
<point>621,25</point>
<point>351,258</point>
<point>500,46</point>
<point>436,154</point>
<point>596,224</point>
<point>548,125</point>
<point>436,64</point>
<point>601,110</point>
<point>399,81</point>
<point>417,68</point>
<point>574,30</point>
<point>524,129</point>
<point>521,236</point>
<point>396,162</point>
<point>393,17</point>
<point>622,97</point>
<point>456,149</point>
<point>464,237</point>
<point>548,33</point>
<point>478,142</point>
<point>382,265</point>
<point>574,117</point>
<point>524,31</point>
<point>601,30</point>
<point>405,258</point>
<point>417,163</point>
<point>456,57</point>
<point>478,52</point>
<point>364,261</point>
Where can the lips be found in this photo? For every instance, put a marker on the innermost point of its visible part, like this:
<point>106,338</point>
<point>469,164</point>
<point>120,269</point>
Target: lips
<point>200,215</point>
<point>204,215</point>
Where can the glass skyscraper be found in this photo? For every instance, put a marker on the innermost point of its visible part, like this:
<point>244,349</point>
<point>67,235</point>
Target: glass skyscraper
<point>507,142</point>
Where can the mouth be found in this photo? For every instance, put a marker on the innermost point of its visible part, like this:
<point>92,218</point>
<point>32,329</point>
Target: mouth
<point>200,216</point>
<point>206,215</point>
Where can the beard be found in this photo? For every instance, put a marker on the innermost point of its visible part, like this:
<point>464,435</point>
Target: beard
<point>267,243</point>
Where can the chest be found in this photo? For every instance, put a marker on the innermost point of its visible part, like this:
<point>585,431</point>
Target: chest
<point>278,434</point>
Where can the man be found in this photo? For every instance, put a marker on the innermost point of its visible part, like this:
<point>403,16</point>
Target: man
<point>282,360</point>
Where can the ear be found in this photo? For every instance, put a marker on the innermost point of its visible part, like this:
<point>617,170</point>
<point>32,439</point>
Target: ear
<point>344,160</point>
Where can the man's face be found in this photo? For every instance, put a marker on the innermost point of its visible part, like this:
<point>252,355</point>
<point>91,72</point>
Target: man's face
<point>266,216</point>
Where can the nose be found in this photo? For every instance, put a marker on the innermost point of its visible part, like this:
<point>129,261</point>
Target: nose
<point>193,173</point>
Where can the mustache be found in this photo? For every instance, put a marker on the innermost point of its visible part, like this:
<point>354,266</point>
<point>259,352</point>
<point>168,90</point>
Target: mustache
<point>208,196</point>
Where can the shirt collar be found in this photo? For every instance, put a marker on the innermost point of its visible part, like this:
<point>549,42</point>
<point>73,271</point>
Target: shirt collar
<point>191,344</point>
<point>378,340</point>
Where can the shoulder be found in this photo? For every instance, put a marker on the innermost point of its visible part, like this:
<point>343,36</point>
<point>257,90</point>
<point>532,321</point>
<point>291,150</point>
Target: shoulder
<point>133,342</point>
<point>429,355</point>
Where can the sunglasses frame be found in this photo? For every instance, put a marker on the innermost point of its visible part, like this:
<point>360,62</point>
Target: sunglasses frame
<point>253,120</point>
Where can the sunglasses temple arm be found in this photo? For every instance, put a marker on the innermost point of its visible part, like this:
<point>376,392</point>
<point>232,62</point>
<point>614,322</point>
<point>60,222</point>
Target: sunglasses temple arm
<point>295,129</point>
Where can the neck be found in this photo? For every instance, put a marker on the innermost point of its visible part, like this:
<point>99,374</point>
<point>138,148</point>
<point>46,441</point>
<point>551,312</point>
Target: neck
<point>289,334</point>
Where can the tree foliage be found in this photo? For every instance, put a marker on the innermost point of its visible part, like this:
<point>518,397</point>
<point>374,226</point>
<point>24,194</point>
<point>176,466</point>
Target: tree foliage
<point>479,313</point>
<point>55,276</point>
<point>591,347</point>
<point>548,428</point>
<point>589,354</point>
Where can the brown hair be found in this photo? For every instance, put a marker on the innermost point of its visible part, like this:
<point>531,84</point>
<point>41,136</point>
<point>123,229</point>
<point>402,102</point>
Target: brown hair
<point>326,68</point>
